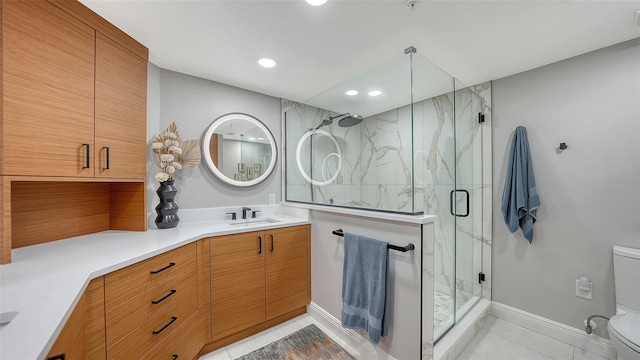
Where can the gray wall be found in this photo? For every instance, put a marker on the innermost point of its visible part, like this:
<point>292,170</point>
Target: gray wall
<point>590,193</point>
<point>193,103</point>
<point>327,259</point>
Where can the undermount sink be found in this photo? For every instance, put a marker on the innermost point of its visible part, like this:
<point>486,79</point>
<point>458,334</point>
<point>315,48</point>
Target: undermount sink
<point>6,317</point>
<point>254,222</point>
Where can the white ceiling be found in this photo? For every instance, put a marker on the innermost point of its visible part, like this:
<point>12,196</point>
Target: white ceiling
<point>318,48</point>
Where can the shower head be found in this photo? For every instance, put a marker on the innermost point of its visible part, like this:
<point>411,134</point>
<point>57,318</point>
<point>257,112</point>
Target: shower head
<point>350,120</point>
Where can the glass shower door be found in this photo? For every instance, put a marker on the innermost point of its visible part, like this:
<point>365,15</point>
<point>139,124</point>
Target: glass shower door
<point>457,200</point>
<point>467,199</point>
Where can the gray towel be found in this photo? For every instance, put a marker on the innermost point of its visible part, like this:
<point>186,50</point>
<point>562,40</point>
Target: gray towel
<point>365,286</point>
<point>520,201</point>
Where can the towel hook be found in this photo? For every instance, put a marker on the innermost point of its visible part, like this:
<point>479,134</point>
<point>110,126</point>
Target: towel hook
<point>563,146</point>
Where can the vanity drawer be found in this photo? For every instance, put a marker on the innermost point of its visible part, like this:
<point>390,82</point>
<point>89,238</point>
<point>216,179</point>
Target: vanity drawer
<point>154,331</point>
<point>185,342</point>
<point>125,316</point>
<point>122,284</point>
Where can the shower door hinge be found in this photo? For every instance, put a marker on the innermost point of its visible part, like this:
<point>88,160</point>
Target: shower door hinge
<point>480,278</point>
<point>480,118</point>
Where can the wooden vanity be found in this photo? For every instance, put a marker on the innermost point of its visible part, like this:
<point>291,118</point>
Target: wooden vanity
<point>192,300</point>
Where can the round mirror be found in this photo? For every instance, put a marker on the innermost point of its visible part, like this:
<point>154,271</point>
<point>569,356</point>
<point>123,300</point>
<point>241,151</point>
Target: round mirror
<point>239,149</point>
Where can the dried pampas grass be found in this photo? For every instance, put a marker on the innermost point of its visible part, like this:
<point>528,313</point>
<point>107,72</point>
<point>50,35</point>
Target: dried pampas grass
<point>173,152</point>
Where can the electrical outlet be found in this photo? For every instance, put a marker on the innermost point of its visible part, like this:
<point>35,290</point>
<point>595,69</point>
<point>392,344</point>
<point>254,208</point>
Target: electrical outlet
<point>272,199</point>
<point>584,291</point>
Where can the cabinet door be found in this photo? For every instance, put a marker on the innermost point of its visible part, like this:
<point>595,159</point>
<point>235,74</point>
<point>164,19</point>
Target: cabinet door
<point>48,84</point>
<point>70,343</point>
<point>121,103</point>
<point>82,336</point>
<point>287,270</point>
<point>237,282</point>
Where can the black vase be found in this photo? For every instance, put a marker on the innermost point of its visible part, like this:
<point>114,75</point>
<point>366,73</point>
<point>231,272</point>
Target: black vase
<point>167,209</point>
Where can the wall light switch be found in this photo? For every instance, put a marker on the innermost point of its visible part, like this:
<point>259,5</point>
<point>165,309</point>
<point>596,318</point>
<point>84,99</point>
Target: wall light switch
<point>272,199</point>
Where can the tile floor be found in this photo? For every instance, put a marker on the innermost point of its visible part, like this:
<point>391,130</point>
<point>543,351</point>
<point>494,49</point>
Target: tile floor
<point>442,311</point>
<point>497,340</point>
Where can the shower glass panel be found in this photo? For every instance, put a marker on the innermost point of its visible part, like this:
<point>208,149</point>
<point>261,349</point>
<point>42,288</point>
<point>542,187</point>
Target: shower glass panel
<point>369,164</point>
<point>334,159</point>
<point>435,178</point>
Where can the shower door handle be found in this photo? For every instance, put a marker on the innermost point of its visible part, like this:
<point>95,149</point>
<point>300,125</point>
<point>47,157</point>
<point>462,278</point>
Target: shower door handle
<point>452,200</point>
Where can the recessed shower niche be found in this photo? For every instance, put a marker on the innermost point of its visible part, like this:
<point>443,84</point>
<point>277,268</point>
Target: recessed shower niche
<point>418,147</point>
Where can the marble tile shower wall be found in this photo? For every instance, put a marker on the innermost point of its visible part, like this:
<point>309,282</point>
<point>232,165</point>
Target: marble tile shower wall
<point>376,157</point>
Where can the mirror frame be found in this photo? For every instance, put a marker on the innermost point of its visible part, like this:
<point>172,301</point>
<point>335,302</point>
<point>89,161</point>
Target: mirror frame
<point>208,161</point>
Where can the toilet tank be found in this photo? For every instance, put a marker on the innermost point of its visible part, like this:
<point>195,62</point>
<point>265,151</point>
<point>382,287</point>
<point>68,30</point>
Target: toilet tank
<point>626,271</point>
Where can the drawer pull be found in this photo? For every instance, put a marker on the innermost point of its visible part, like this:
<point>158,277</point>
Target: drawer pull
<point>156,332</point>
<point>87,149</point>
<point>106,149</point>
<point>163,269</point>
<point>174,357</point>
<point>164,297</point>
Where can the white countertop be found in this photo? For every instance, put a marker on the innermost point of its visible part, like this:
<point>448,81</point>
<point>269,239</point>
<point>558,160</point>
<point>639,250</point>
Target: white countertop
<point>44,282</point>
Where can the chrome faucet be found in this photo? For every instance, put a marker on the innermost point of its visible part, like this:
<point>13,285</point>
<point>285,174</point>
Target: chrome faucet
<point>244,212</point>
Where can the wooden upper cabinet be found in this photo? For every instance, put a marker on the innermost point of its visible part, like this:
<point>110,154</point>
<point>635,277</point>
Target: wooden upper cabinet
<point>48,91</point>
<point>120,118</point>
<point>74,100</point>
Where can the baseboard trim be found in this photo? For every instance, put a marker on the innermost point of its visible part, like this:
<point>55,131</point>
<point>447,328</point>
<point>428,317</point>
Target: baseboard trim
<point>350,339</point>
<point>567,334</point>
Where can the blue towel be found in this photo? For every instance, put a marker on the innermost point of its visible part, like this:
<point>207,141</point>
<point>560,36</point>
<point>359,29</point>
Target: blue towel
<point>365,286</point>
<point>520,201</point>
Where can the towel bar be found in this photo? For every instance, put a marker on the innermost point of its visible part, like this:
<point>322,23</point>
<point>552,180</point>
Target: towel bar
<point>409,247</point>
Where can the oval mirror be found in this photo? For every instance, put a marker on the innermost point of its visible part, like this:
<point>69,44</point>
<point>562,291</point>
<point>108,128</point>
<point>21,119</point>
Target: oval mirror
<point>239,149</point>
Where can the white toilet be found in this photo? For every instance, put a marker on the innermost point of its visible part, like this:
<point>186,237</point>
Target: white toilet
<point>624,327</point>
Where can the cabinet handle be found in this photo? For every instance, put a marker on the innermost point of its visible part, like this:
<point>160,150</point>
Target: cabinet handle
<point>164,297</point>
<point>106,149</point>
<point>259,244</point>
<point>271,242</point>
<point>163,269</point>
<point>156,332</point>
<point>175,356</point>
<point>87,149</point>
<point>57,357</point>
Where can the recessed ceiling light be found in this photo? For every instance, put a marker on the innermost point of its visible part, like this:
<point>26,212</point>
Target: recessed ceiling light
<point>267,62</point>
<point>316,2</point>
<point>375,92</point>
<point>352,92</point>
